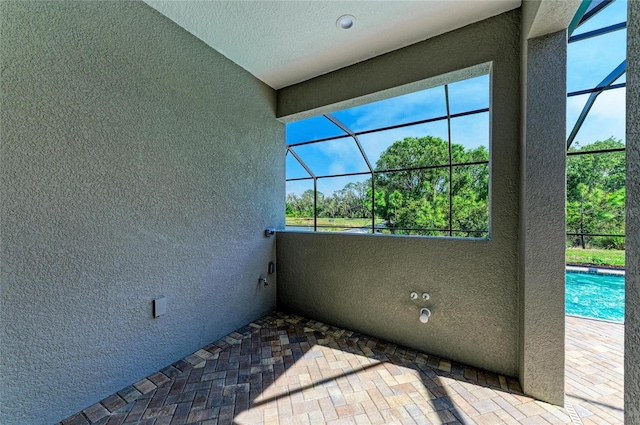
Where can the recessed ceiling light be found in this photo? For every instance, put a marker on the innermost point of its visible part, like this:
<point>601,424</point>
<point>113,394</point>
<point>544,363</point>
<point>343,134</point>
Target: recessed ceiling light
<point>345,22</point>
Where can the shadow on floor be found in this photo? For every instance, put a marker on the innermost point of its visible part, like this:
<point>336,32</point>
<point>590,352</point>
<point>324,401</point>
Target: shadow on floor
<point>287,369</point>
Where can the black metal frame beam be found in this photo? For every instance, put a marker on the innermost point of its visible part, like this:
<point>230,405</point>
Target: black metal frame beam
<point>421,229</point>
<point>347,130</point>
<point>395,170</point>
<point>315,187</point>
<point>608,80</point>
<point>595,234</point>
<point>588,91</point>
<point>590,13</point>
<point>586,12</point>
<point>577,18</point>
<point>596,152</point>
<point>392,127</point>
<point>446,97</point>
<point>599,31</point>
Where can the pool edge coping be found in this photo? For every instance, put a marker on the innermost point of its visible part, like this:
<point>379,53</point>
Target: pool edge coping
<point>595,270</point>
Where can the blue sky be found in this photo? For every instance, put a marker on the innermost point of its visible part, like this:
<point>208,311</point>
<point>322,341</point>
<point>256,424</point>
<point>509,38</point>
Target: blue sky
<point>589,62</point>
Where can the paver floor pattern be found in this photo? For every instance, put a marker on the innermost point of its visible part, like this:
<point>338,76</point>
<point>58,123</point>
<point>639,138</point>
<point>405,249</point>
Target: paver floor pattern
<point>285,369</point>
<point>594,370</point>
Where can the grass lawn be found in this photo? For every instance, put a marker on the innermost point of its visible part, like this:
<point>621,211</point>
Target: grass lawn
<point>339,223</point>
<point>597,257</point>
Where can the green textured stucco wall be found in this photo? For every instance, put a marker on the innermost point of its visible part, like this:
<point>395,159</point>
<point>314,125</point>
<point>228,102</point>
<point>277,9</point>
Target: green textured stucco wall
<point>363,282</point>
<point>136,162</point>
<point>542,215</point>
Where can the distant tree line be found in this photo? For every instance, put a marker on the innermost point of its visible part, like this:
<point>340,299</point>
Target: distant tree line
<point>413,201</point>
<point>420,199</point>
<point>596,195</point>
<point>348,202</point>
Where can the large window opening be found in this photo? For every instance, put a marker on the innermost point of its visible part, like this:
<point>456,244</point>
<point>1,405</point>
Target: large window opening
<point>596,84</point>
<point>416,164</point>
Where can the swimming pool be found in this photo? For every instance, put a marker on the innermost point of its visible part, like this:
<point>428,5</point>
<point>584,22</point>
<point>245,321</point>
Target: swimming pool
<point>595,295</point>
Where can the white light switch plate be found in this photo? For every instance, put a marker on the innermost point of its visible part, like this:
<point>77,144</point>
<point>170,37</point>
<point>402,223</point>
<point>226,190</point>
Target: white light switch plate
<point>159,306</point>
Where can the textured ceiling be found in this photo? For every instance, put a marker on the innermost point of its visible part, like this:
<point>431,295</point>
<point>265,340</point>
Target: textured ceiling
<point>286,42</point>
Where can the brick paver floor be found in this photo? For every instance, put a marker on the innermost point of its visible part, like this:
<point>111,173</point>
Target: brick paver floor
<point>285,369</point>
<point>594,370</point>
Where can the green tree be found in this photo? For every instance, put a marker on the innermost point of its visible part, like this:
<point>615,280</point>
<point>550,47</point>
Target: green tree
<point>353,198</point>
<point>419,198</point>
<point>331,206</point>
<point>302,206</point>
<point>470,190</point>
<point>395,202</point>
<point>596,194</point>
<point>380,202</point>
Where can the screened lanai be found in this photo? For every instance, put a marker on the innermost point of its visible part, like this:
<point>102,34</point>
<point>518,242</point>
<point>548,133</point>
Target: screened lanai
<point>596,145</point>
<point>369,168</point>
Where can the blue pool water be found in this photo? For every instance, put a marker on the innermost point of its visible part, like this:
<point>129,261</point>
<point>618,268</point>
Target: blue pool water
<point>597,296</point>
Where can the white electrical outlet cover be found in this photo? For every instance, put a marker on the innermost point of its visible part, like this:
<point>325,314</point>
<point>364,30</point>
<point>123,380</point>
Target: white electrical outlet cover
<point>159,306</point>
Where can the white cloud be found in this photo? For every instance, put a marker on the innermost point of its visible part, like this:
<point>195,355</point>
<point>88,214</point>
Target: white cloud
<point>411,107</point>
<point>341,156</point>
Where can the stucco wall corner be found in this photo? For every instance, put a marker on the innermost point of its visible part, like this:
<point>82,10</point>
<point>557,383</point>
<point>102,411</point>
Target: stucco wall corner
<point>632,278</point>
